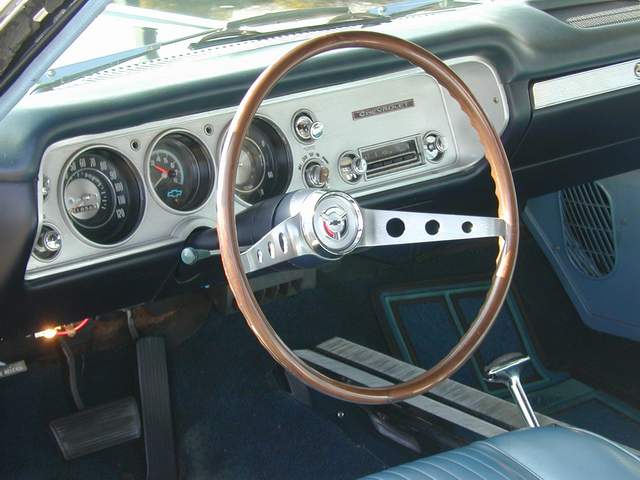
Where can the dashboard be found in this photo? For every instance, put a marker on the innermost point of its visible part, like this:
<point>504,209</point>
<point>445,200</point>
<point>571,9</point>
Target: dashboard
<point>118,193</point>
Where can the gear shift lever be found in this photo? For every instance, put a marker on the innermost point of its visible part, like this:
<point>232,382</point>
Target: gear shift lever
<point>506,370</point>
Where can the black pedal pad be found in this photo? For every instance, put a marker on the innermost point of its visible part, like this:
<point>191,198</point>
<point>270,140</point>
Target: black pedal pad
<point>156,409</point>
<point>97,428</point>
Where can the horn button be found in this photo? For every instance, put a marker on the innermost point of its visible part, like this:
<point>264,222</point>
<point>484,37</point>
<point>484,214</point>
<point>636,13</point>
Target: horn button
<point>336,224</point>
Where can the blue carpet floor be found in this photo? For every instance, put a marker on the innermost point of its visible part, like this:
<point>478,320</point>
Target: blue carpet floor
<point>424,323</point>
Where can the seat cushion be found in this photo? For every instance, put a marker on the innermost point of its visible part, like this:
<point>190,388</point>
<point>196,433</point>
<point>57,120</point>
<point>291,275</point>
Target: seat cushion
<point>554,453</point>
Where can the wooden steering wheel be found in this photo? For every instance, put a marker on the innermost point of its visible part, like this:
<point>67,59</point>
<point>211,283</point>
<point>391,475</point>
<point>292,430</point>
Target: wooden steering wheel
<point>329,224</point>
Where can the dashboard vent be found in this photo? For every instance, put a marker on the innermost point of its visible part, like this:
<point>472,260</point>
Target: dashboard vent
<point>614,16</point>
<point>588,229</point>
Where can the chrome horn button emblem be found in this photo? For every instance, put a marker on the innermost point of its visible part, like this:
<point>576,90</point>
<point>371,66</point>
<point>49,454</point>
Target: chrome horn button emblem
<point>332,224</point>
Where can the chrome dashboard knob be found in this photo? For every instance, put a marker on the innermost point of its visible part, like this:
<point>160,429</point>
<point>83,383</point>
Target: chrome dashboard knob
<point>48,244</point>
<point>316,175</point>
<point>316,130</point>
<point>434,145</point>
<point>306,127</point>
<point>352,167</point>
<point>359,165</point>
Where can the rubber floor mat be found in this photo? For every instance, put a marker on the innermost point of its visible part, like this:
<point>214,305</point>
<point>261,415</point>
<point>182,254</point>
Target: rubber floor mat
<point>423,323</point>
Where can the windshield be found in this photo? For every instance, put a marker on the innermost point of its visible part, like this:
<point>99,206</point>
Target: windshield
<point>144,23</point>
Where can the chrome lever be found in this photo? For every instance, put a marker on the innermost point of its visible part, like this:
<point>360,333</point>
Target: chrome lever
<point>191,256</point>
<point>506,370</point>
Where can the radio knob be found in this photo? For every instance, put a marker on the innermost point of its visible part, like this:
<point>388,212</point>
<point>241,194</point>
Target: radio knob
<point>352,167</point>
<point>434,145</point>
<point>359,165</point>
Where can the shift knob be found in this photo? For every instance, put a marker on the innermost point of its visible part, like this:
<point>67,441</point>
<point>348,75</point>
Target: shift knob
<point>506,370</point>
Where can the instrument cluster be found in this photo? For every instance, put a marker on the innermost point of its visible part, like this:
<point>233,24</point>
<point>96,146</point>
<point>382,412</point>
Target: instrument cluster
<point>116,194</point>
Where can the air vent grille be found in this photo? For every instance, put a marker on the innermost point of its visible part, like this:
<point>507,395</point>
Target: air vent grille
<point>588,229</point>
<point>609,17</point>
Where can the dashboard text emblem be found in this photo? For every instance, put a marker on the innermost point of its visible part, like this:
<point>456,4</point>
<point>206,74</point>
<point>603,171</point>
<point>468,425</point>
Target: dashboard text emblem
<point>380,109</point>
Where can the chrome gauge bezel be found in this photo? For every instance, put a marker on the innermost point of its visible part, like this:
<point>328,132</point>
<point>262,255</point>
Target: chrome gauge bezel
<point>141,192</point>
<point>210,161</point>
<point>284,141</point>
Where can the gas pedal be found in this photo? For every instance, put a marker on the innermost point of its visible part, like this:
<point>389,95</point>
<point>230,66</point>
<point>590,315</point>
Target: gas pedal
<point>153,378</point>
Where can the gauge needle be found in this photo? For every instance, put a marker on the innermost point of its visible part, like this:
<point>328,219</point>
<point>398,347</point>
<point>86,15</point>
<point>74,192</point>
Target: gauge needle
<point>163,171</point>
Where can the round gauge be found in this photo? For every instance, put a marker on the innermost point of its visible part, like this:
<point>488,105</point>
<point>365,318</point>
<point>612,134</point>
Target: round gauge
<point>180,171</point>
<point>101,195</point>
<point>265,165</point>
<point>251,168</point>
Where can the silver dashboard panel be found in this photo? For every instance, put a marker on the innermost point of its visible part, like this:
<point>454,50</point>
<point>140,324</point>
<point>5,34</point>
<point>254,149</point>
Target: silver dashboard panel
<point>586,84</point>
<point>434,110</point>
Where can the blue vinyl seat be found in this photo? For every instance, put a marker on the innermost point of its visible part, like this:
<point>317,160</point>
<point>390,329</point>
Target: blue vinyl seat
<point>549,453</point>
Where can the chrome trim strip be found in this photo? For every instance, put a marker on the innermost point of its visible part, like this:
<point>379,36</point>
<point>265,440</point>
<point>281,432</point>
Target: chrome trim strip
<point>421,402</point>
<point>585,84</point>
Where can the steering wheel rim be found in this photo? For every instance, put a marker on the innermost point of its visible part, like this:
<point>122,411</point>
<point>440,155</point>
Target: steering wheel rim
<point>227,233</point>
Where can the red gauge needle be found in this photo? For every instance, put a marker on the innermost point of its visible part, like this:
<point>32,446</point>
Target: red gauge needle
<point>164,171</point>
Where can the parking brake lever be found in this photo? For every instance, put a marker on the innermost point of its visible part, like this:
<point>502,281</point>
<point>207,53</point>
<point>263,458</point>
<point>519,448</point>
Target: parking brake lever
<point>506,370</point>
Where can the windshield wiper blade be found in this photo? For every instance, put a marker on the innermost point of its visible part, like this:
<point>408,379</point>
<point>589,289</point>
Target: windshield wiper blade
<point>74,71</point>
<point>286,16</point>
<point>406,7</point>
<point>239,30</point>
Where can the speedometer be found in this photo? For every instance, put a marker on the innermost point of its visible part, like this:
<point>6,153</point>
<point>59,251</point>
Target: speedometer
<point>101,195</point>
<point>180,171</point>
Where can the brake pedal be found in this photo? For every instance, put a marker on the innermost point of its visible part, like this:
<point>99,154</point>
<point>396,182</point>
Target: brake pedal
<point>94,429</point>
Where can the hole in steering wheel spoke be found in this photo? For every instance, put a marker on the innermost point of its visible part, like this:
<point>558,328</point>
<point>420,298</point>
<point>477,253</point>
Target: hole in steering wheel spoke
<point>395,227</point>
<point>284,244</point>
<point>271,248</point>
<point>432,227</point>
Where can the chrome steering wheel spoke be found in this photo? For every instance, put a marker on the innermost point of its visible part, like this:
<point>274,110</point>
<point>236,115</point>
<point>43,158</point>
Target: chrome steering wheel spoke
<point>329,225</point>
<point>389,227</point>
<point>283,243</point>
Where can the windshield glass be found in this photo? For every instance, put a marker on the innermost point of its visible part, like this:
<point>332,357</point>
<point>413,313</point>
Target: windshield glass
<point>143,23</point>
